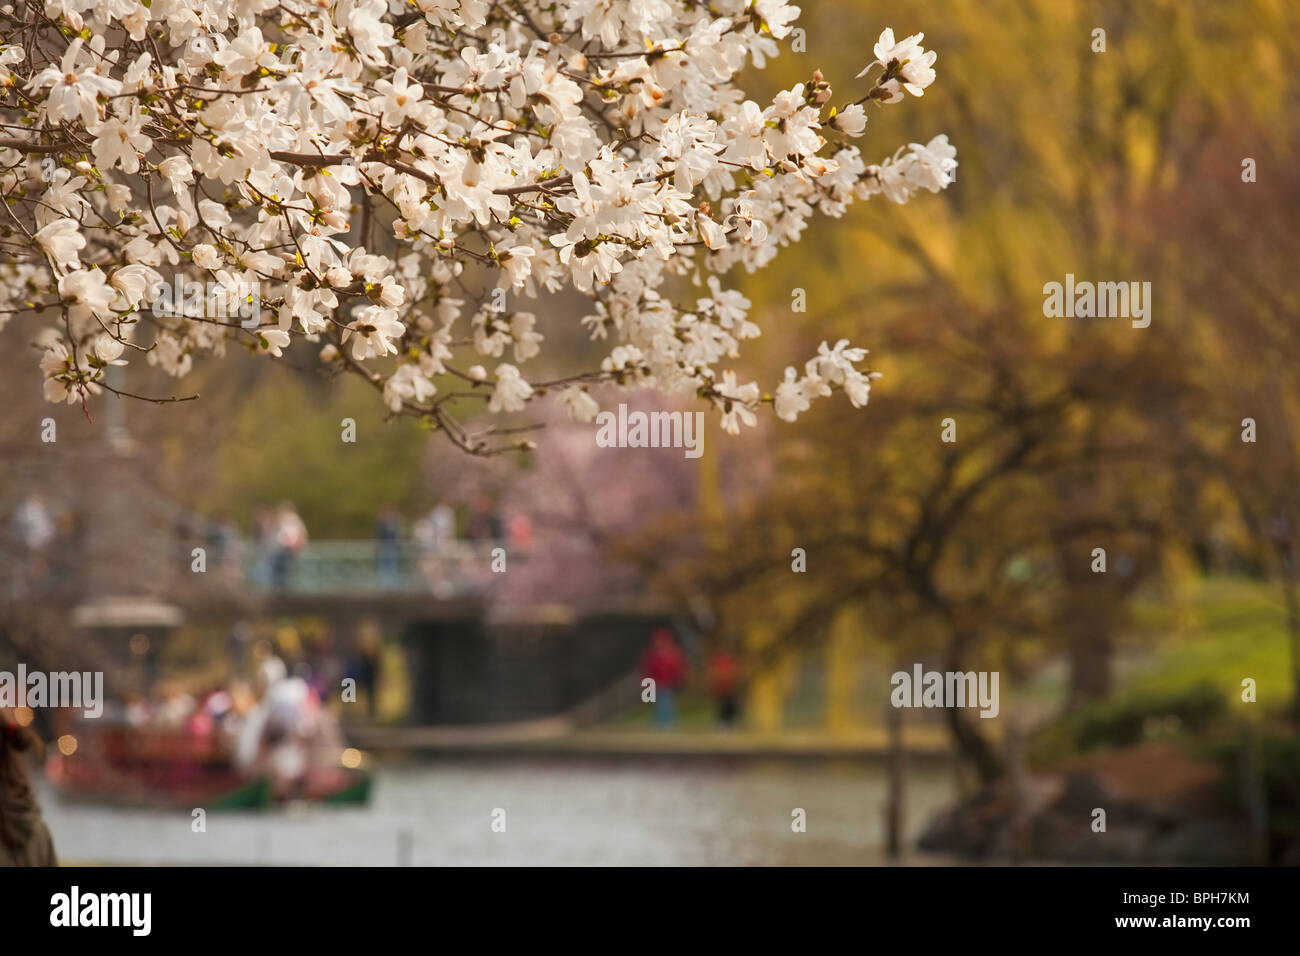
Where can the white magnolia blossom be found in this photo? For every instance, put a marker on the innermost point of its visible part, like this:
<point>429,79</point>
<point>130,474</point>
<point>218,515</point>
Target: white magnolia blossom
<point>511,392</point>
<point>907,65</point>
<point>580,406</point>
<point>391,178</point>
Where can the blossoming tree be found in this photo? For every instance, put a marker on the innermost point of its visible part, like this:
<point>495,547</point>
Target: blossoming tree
<point>347,172</point>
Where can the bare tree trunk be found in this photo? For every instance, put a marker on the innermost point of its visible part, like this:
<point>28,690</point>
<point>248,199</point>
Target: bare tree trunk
<point>894,821</point>
<point>1090,648</point>
<point>1253,798</point>
<point>1016,768</point>
<point>974,746</point>
<point>971,743</point>
<point>1088,623</point>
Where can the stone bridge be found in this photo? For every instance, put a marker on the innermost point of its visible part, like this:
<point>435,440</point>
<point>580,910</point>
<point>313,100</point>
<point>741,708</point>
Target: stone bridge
<point>473,655</point>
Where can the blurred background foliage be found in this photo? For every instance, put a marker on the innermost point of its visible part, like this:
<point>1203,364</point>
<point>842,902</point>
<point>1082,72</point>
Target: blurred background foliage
<point>284,443</point>
<point>1072,434</point>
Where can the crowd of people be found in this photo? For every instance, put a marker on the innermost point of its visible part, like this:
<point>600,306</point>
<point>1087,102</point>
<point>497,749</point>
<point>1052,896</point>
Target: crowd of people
<point>427,550</point>
<point>275,725</point>
<point>279,537</point>
<point>432,550</point>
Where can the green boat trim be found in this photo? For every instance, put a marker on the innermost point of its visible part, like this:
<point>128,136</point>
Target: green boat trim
<point>250,796</point>
<point>357,792</point>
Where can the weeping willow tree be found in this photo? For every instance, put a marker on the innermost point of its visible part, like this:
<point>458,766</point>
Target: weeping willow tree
<point>1070,436</point>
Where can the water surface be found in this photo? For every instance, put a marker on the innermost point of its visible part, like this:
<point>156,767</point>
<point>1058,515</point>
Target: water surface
<point>558,811</point>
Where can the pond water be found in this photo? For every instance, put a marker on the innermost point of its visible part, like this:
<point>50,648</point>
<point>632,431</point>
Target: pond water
<point>558,811</point>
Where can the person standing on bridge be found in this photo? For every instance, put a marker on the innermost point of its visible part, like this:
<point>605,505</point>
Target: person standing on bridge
<point>290,539</point>
<point>388,547</point>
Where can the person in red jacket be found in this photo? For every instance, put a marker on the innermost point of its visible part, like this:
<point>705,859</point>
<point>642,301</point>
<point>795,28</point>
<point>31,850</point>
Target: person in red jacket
<point>665,664</point>
<point>724,685</point>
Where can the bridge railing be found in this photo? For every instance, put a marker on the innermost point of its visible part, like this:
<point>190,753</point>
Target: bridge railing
<point>165,564</point>
<point>454,569</point>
